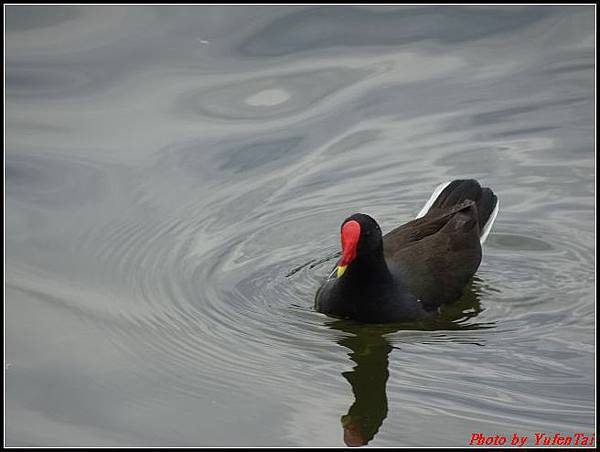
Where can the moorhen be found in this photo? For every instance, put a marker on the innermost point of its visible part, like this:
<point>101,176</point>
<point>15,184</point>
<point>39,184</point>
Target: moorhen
<point>410,272</point>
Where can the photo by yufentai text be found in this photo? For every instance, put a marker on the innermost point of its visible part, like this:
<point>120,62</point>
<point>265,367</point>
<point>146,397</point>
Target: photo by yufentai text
<point>537,439</point>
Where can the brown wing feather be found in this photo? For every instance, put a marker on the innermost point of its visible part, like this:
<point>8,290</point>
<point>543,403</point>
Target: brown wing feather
<point>436,255</point>
<point>420,228</point>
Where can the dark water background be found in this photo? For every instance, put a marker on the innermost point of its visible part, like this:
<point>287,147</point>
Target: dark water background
<point>175,181</point>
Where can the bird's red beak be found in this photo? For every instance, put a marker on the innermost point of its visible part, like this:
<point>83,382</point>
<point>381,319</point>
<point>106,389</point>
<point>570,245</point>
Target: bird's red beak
<point>350,236</point>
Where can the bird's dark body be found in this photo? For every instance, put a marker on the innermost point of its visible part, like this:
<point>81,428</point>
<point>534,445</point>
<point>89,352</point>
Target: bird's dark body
<point>408,273</point>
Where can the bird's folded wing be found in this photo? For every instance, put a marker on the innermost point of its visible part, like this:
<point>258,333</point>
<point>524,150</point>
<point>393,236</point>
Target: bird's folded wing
<point>425,226</point>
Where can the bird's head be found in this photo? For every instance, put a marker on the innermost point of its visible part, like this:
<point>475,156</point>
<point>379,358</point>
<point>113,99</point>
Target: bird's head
<point>361,235</point>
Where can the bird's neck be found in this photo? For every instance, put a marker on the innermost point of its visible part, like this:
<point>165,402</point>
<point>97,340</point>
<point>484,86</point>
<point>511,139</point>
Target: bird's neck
<point>369,270</point>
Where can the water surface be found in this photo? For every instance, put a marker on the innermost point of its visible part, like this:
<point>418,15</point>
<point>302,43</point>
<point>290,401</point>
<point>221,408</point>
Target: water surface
<point>175,182</point>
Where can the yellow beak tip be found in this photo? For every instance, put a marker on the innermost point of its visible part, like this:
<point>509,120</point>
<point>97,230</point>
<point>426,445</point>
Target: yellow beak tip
<point>340,270</point>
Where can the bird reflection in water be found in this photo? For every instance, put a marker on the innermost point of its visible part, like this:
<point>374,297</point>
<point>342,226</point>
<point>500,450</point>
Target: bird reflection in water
<point>370,350</point>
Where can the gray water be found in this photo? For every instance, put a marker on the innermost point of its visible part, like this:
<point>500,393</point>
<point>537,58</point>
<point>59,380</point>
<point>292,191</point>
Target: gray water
<point>175,181</point>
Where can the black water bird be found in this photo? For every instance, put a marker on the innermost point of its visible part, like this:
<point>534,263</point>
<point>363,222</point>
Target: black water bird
<point>410,272</point>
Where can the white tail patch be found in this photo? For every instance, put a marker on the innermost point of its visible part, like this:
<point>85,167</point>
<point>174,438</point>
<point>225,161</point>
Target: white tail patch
<point>430,201</point>
<point>486,228</point>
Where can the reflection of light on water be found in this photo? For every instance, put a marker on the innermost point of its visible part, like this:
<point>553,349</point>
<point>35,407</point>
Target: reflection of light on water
<point>268,98</point>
